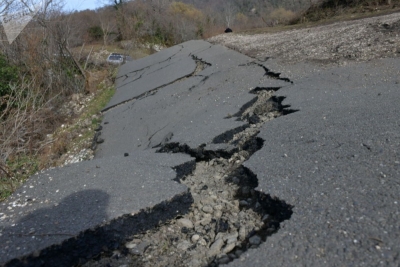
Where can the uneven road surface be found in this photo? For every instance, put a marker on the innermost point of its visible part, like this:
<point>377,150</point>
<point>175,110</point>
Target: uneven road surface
<point>321,155</point>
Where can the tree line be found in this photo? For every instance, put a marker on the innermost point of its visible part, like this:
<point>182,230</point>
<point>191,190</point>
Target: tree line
<point>170,22</point>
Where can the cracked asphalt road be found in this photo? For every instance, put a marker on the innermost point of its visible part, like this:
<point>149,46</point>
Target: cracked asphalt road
<point>336,161</point>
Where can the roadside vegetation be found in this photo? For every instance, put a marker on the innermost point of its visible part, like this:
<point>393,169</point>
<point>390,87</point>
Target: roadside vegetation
<point>54,79</point>
<point>346,9</point>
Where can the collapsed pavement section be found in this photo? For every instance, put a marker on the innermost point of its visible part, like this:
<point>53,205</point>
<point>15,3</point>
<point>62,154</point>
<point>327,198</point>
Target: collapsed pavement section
<point>195,96</point>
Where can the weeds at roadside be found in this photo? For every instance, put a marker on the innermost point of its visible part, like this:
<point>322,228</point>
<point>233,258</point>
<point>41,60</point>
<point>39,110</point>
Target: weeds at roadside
<point>73,134</point>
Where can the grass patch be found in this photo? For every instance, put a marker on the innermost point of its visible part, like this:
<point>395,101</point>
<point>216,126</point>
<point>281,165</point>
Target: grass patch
<point>19,168</point>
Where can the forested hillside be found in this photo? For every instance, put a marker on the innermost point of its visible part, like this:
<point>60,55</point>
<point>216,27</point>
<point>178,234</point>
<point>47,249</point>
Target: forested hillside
<point>170,22</point>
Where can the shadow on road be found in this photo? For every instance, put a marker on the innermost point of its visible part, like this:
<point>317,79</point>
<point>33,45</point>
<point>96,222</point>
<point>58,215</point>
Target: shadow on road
<point>63,224</point>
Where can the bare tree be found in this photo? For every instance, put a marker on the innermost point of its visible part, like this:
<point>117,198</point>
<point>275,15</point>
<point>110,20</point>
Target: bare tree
<point>107,24</point>
<point>229,13</point>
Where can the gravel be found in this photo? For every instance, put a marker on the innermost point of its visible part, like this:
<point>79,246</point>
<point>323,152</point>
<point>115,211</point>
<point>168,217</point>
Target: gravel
<point>337,43</point>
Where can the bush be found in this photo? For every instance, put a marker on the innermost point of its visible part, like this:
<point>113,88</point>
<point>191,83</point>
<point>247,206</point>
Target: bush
<point>96,32</point>
<point>281,16</point>
<point>8,75</point>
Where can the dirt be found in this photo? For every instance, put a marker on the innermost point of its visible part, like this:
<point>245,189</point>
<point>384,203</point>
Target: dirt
<point>337,43</point>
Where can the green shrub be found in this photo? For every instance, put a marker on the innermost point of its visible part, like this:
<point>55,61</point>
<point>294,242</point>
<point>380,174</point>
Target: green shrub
<point>8,74</point>
<point>96,32</point>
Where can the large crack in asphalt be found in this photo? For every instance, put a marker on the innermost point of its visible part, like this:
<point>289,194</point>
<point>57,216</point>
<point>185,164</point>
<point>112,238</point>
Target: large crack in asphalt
<point>200,66</point>
<point>147,67</point>
<point>227,216</point>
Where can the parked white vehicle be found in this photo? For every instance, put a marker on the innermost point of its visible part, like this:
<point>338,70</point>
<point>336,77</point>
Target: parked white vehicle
<point>115,58</point>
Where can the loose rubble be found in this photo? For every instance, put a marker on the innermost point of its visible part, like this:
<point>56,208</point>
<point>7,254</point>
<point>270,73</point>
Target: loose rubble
<point>227,216</point>
<point>73,108</point>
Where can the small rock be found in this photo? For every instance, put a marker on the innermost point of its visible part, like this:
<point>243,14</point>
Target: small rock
<point>207,209</point>
<point>218,207</point>
<point>225,194</point>
<point>217,177</point>
<point>217,214</point>
<point>242,233</point>
<point>255,240</point>
<point>140,248</point>
<point>228,248</point>
<point>211,234</point>
<point>130,245</point>
<point>216,247</point>
<point>126,154</point>
<point>184,245</point>
<point>100,140</point>
<point>185,223</point>
<point>99,128</point>
<point>205,221</point>
<point>220,236</point>
<point>231,238</point>
<point>202,242</point>
<point>195,238</point>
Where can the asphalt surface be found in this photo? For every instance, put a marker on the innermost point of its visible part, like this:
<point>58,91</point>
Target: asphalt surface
<point>336,161</point>
<point>68,213</point>
<point>187,94</point>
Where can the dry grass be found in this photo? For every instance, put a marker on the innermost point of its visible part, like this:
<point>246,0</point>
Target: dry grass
<point>38,133</point>
<point>35,138</point>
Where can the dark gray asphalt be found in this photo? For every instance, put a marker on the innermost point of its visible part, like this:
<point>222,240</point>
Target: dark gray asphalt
<point>192,111</point>
<point>60,204</point>
<point>336,160</point>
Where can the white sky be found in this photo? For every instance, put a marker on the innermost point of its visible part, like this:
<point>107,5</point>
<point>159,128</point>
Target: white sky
<point>71,5</point>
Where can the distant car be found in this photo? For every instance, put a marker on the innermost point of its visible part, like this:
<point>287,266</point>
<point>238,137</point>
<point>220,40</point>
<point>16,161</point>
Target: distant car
<point>115,58</point>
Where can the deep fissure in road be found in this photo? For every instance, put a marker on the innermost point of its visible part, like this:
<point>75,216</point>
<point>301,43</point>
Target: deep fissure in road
<point>228,216</point>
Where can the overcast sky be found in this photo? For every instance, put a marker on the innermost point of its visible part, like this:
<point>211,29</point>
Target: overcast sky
<point>82,4</point>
